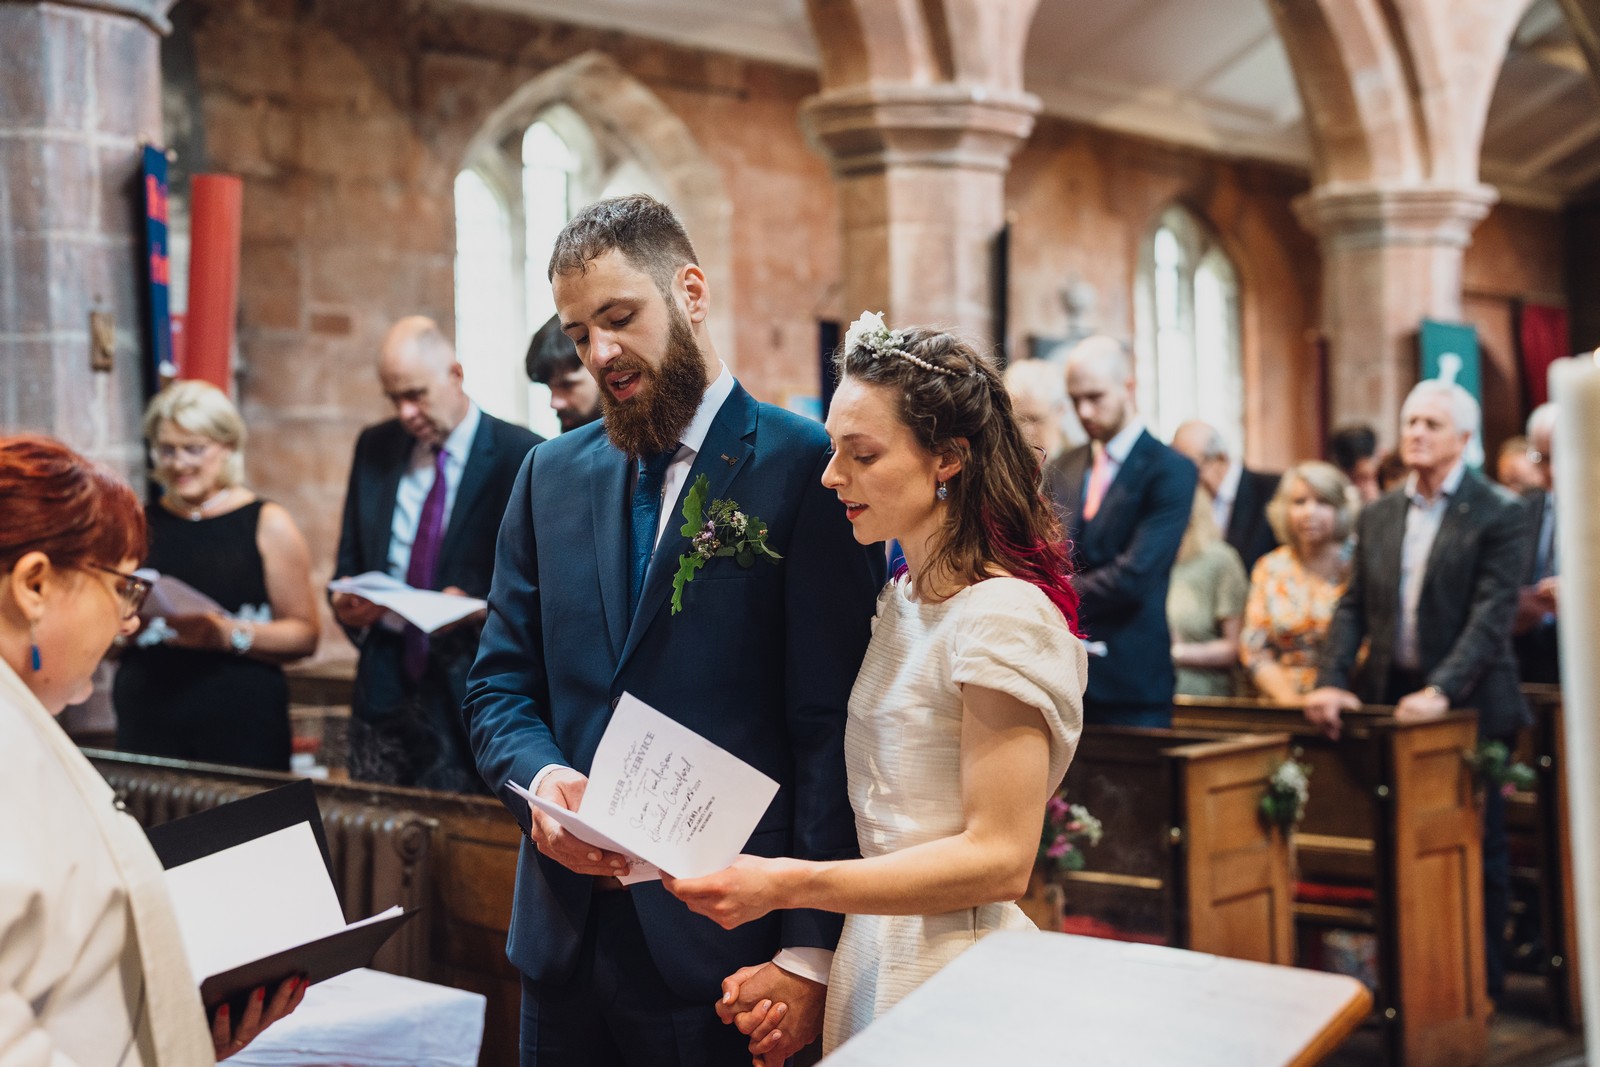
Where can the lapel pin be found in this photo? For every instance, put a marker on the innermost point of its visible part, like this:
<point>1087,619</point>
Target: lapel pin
<point>729,460</point>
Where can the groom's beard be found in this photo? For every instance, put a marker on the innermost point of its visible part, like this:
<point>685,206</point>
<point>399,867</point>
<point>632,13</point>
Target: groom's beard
<point>654,419</point>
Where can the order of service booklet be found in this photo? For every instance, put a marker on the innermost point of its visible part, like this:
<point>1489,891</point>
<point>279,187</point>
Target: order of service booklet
<point>664,796</point>
<point>251,885</point>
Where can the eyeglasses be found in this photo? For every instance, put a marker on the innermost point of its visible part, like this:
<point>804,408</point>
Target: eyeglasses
<point>131,589</point>
<point>194,453</point>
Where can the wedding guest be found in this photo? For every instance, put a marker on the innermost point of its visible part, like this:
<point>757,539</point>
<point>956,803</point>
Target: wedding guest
<point>1295,587</point>
<point>1392,472</point>
<point>1354,450</point>
<point>1536,624</point>
<point>1515,467</point>
<point>1204,603</point>
<point>1039,400</point>
<point>427,491</point>
<point>1130,498</point>
<point>1432,592</point>
<point>968,706</point>
<point>553,362</point>
<point>209,685</point>
<point>1238,495</point>
<point>92,964</point>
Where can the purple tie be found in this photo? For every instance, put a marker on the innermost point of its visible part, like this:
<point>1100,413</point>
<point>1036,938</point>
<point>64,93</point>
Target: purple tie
<point>425,561</point>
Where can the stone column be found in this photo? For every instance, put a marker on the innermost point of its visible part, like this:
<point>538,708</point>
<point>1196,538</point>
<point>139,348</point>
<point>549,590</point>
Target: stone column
<point>921,172</point>
<point>80,88</point>
<point>1391,256</point>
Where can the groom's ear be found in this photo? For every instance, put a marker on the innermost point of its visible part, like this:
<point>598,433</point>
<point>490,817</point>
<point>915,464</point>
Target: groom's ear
<point>694,292</point>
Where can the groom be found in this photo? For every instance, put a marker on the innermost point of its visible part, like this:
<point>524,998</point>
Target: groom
<point>760,660</point>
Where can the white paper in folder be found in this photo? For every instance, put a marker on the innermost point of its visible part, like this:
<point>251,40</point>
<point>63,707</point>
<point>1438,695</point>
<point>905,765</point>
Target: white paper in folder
<point>660,793</point>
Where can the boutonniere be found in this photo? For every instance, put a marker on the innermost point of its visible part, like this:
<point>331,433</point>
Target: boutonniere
<point>716,529</point>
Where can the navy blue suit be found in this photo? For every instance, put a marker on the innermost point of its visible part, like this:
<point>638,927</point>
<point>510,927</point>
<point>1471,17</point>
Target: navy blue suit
<point>1123,559</point>
<point>760,661</point>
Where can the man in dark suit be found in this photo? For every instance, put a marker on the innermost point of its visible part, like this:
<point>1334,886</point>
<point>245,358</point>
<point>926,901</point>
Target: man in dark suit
<point>1432,589</point>
<point>427,490</point>
<point>1538,607</point>
<point>760,661</point>
<point>1239,496</point>
<point>1131,496</point>
<point>553,362</point>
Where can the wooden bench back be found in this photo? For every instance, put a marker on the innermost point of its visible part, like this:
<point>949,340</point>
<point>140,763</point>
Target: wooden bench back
<point>1186,859</point>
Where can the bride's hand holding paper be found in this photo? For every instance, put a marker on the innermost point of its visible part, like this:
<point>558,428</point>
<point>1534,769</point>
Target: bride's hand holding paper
<point>742,892</point>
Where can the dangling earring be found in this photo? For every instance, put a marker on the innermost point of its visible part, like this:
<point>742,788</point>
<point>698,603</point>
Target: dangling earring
<point>33,645</point>
<point>943,492</point>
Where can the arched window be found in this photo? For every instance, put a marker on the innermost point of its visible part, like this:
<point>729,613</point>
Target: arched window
<point>512,200</point>
<point>1188,336</point>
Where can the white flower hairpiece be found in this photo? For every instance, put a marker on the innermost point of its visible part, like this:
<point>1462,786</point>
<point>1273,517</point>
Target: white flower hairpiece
<point>871,333</point>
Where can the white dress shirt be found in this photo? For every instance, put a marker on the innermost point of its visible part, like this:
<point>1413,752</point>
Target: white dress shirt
<point>807,962</point>
<point>1423,519</point>
<point>417,482</point>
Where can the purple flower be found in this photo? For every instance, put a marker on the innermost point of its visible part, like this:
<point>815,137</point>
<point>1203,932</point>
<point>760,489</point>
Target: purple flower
<point>1058,848</point>
<point>1508,789</point>
<point>1055,808</point>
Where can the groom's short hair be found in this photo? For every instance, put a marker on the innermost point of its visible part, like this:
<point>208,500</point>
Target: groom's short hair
<point>641,227</point>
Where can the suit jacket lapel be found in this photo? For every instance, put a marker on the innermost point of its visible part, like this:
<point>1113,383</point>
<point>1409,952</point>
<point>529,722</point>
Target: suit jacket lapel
<point>1130,475</point>
<point>608,490</point>
<point>1388,536</point>
<point>480,461</point>
<point>381,505</point>
<point>722,454</point>
<point>1457,517</point>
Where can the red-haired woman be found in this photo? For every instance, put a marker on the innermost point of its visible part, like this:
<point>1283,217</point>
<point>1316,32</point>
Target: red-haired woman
<point>967,709</point>
<point>92,967</point>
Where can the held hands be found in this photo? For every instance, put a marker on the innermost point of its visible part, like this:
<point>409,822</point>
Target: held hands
<point>742,892</point>
<point>228,1039</point>
<point>565,786</point>
<point>781,1013</point>
<point>1324,706</point>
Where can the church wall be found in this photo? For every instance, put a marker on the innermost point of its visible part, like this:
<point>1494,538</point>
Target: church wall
<point>349,122</point>
<point>1084,202</point>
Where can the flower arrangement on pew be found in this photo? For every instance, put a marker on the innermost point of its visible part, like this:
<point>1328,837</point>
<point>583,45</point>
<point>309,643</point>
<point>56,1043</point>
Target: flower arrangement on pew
<point>1067,829</point>
<point>1284,803</point>
<point>1493,768</point>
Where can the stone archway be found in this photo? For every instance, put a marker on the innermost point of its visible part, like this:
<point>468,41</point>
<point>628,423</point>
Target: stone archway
<point>628,119</point>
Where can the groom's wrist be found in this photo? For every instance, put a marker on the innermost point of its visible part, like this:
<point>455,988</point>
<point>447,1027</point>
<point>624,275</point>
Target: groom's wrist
<point>806,961</point>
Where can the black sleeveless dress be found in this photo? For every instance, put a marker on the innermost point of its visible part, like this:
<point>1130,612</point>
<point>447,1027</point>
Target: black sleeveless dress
<point>212,706</point>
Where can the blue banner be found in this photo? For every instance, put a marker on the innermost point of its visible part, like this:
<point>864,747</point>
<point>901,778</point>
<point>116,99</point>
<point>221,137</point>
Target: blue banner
<point>158,272</point>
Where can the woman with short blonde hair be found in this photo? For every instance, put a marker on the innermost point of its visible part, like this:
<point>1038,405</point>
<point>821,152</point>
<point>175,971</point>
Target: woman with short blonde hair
<point>1295,588</point>
<point>200,408</point>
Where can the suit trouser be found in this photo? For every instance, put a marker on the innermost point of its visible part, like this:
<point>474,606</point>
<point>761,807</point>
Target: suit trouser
<point>616,1009</point>
<point>1496,853</point>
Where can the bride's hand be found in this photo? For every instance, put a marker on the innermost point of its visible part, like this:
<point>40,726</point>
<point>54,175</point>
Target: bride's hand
<point>744,891</point>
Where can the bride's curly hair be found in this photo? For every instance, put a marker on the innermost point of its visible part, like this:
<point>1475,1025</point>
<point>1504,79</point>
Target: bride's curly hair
<point>954,402</point>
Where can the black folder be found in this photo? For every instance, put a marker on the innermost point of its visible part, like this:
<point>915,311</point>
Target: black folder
<point>204,833</point>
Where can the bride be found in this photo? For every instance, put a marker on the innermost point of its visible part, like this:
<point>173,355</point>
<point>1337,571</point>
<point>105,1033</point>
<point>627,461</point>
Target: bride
<point>968,706</point>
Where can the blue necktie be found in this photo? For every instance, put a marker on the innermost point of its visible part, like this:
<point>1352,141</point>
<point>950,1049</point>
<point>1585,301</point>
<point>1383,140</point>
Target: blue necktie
<point>647,487</point>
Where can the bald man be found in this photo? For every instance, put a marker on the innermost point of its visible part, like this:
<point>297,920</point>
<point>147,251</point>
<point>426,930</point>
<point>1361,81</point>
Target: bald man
<point>427,492</point>
<point>1130,498</point>
<point>1239,496</point>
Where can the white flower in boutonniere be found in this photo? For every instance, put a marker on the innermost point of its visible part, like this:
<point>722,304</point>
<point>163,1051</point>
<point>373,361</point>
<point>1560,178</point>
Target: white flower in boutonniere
<point>721,528</point>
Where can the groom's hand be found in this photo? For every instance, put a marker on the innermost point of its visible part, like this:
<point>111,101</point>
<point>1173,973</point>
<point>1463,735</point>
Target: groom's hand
<point>565,786</point>
<point>780,1012</point>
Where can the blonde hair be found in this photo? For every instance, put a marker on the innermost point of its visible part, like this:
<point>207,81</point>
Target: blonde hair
<point>199,407</point>
<point>1202,531</point>
<point>1328,484</point>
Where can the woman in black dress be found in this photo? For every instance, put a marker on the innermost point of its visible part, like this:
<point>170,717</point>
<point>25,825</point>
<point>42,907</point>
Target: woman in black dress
<point>209,685</point>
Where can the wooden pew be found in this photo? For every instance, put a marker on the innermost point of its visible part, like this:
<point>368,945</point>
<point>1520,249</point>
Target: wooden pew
<point>1540,819</point>
<point>1186,860</point>
<point>1391,811</point>
<point>454,855</point>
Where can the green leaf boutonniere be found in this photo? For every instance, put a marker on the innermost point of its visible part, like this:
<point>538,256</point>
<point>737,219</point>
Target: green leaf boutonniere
<point>716,529</point>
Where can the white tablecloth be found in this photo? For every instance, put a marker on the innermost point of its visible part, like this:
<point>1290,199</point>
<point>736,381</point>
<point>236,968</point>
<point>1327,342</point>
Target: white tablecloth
<point>371,1019</point>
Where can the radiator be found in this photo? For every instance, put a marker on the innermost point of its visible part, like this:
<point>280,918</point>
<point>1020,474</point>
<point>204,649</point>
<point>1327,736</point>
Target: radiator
<point>381,856</point>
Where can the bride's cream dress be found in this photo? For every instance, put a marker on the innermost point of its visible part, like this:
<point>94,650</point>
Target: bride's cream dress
<point>903,757</point>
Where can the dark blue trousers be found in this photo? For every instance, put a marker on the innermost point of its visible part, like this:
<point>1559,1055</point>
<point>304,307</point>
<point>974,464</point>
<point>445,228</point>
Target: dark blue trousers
<point>617,1010</point>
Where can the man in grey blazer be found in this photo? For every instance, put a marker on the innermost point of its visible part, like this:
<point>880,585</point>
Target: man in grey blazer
<point>1433,586</point>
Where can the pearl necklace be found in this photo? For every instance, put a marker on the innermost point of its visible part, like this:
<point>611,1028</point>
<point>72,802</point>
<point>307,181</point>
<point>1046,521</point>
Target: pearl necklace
<point>198,512</point>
